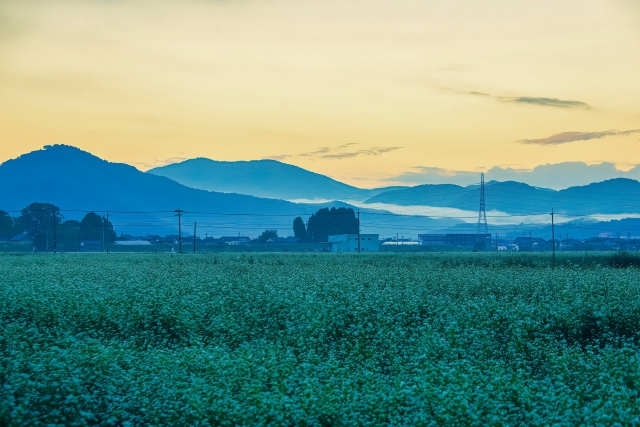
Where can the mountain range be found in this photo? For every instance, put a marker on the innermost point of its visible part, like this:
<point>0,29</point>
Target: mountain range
<point>273,179</point>
<point>614,196</point>
<point>262,178</point>
<point>141,203</point>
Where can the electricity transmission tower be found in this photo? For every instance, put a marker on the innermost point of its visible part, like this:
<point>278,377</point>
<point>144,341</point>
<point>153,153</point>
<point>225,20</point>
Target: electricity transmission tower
<point>482,229</point>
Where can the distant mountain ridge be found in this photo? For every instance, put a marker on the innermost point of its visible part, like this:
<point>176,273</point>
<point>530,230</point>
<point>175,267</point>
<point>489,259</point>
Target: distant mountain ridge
<point>261,178</point>
<point>557,176</point>
<point>613,196</point>
<point>139,202</point>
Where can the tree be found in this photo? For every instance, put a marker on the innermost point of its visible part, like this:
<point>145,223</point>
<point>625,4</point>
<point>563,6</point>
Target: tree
<point>69,235</point>
<point>39,220</point>
<point>91,228</point>
<point>299,229</point>
<point>327,222</point>
<point>266,235</point>
<point>6,225</point>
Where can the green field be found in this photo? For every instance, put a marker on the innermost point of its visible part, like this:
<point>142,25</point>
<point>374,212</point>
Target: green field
<point>319,339</point>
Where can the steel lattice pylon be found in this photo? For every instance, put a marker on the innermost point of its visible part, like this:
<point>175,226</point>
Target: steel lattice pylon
<point>483,228</point>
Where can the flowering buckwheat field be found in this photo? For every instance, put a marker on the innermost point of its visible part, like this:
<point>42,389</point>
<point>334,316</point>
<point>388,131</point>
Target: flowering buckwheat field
<point>317,339</point>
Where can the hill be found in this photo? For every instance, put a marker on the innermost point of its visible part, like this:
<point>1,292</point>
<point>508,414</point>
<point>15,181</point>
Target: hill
<point>139,202</point>
<point>261,178</point>
<point>614,196</point>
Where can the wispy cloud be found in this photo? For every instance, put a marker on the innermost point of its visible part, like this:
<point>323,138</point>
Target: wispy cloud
<point>532,100</point>
<point>374,151</point>
<point>162,162</point>
<point>338,152</point>
<point>546,102</point>
<point>565,137</point>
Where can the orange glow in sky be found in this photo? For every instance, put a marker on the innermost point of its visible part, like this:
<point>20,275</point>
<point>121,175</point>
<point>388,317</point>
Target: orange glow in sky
<point>359,90</point>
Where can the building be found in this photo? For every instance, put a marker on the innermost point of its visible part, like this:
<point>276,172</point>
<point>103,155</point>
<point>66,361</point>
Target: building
<point>21,238</point>
<point>211,241</point>
<point>91,246</point>
<point>132,243</point>
<point>507,246</point>
<point>349,243</point>
<point>234,240</point>
<point>171,239</point>
<point>528,244</point>
<point>453,239</point>
<point>289,239</point>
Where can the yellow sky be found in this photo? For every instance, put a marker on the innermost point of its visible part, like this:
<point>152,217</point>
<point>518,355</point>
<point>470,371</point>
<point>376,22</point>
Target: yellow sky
<point>359,90</point>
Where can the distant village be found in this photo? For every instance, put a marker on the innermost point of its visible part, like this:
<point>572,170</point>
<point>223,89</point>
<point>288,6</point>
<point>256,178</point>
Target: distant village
<point>368,242</point>
<point>41,228</point>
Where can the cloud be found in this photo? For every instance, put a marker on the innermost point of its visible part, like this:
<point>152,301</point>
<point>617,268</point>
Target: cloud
<point>532,100</point>
<point>556,176</point>
<point>565,137</point>
<point>374,151</point>
<point>546,102</point>
<point>326,151</point>
<point>480,94</point>
<point>338,152</point>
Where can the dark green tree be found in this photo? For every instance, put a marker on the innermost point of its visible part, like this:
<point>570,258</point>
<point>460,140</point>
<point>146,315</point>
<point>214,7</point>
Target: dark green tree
<point>266,235</point>
<point>327,222</point>
<point>299,229</point>
<point>91,228</point>
<point>6,225</point>
<point>69,235</point>
<point>39,220</point>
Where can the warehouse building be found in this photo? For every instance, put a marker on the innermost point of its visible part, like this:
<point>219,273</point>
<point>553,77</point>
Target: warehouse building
<point>349,243</point>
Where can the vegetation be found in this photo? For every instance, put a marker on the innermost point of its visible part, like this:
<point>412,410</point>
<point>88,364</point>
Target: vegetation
<point>43,222</point>
<point>267,235</point>
<point>318,339</point>
<point>299,229</point>
<point>6,225</point>
<point>327,222</point>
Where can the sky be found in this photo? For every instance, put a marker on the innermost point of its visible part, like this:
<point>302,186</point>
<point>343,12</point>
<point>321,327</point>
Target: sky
<point>372,93</point>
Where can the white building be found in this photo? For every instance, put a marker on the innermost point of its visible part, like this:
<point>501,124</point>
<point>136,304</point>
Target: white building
<point>349,243</point>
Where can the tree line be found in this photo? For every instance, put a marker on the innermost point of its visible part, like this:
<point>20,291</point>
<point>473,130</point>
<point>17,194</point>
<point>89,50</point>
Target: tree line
<point>43,222</point>
<point>326,222</point>
<point>322,224</point>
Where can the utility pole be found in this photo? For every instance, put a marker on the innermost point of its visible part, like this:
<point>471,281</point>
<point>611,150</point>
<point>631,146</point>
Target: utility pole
<point>194,237</point>
<point>179,215</point>
<point>35,242</point>
<point>103,227</point>
<point>358,230</point>
<point>496,241</point>
<point>397,239</point>
<point>107,240</point>
<point>553,235</point>
<point>55,239</point>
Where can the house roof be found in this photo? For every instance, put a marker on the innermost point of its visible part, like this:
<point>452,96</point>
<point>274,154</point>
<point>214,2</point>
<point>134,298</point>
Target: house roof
<point>90,242</point>
<point>340,237</point>
<point>133,243</point>
<point>20,237</point>
<point>289,239</point>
